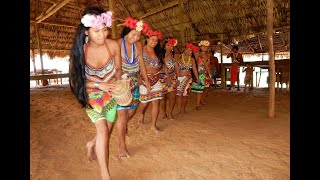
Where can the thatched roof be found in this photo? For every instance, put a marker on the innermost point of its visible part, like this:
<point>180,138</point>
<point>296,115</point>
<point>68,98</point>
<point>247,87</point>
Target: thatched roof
<point>237,20</point>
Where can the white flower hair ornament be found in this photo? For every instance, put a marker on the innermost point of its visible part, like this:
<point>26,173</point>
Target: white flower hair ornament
<point>96,21</point>
<point>139,25</point>
<point>204,43</point>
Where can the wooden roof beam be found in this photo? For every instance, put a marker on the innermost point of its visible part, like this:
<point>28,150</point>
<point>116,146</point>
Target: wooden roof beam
<point>81,8</point>
<point>157,10</point>
<point>125,7</point>
<point>256,33</point>
<point>48,14</point>
<point>54,24</point>
<point>260,43</point>
<point>284,42</point>
<point>249,46</point>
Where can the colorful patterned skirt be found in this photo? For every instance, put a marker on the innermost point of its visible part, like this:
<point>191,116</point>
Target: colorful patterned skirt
<point>172,86</point>
<point>198,88</point>
<point>156,89</point>
<point>183,88</point>
<point>103,106</point>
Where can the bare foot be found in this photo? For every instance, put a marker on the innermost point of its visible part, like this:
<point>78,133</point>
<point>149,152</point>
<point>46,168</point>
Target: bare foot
<point>141,120</point>
<point>127,131</point>
<point>197,108</point>
<point>123,153</point>
<point>164,117</point>
<point>155,129</point>
<point>90,151</point>
<point>171,118</point>
<point>203,103</point>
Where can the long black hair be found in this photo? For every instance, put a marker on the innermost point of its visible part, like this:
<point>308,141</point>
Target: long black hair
<point>125,31</point>
<point>192,73</point>
<point>77,79</point>
<point>157,49</point>
<point>163,50</point>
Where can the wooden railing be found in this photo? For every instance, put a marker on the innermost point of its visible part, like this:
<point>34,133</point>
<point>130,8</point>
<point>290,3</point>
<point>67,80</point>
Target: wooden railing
<point>279,65</point>
<point>49,76</point>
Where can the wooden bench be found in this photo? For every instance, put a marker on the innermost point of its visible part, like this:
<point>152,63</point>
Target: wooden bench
<point>45,77</point>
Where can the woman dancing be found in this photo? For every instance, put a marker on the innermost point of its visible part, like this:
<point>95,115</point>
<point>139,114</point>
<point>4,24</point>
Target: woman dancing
<point>169,76</point>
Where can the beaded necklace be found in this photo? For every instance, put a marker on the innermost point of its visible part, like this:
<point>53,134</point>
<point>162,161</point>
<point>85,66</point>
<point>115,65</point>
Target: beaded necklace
<point>133,58</point>
<point>183,61</point>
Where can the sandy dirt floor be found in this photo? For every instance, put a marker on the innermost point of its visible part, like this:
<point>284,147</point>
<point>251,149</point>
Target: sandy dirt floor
<point>229,138</point>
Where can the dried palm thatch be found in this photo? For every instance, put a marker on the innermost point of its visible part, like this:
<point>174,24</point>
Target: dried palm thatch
<point>54,22</point>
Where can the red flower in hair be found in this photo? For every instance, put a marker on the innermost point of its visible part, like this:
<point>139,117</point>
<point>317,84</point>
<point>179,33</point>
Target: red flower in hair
<point>129,22</point>
<point>145,27</point>
<point>136,24</point>
<point>154,33</point>
<point>192,47</point>
<point>189,46</point>
<point>195,49</point>
<point>172,41</point>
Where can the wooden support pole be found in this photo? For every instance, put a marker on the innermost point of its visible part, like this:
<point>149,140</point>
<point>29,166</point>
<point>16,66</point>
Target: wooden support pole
<point>55,9</point>
<point>256,79</point>
<point>114,24</point>
<point>223,77</point>
<point>270,5</point>
<point>181,18</point>
<point>34,65</point>
<point>278,78</point>
<point>39,46</point>
<point>223,71</point>
<point>251,83</point>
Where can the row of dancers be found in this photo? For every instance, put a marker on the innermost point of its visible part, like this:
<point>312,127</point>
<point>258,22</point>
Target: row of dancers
<point>155,73</point>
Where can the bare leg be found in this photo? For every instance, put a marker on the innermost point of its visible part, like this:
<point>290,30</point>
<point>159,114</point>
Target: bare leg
<point>179,104</point>
<point>198,101</point>
<point>154,115</point>
<point>144,107</point>
<point>91,144</point>
<point>184,103</point>
<point>215,82</point>
<point>121,126</point>
<point>172,101</point>
<point>231,85</point>
<point>238,82</point>
<point>163,103</point>
<point>102,148</point>
<point>204,95</point>
<point>131,113</point>
<point>90,149</point>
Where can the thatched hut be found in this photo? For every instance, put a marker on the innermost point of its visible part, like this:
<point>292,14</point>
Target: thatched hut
<point>222,22</point>
<point>54,22</point>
